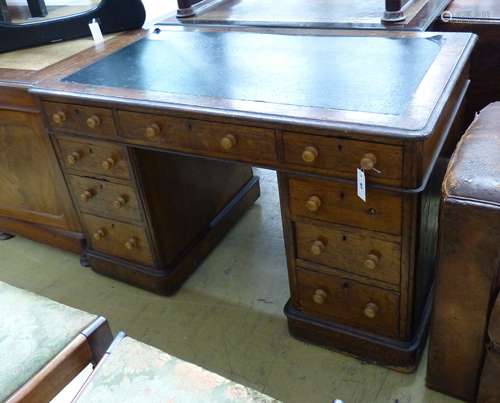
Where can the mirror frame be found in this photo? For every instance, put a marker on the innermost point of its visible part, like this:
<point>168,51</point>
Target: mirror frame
<point>112,15</point>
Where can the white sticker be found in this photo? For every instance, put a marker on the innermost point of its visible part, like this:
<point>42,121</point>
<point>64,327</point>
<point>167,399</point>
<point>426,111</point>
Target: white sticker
<point>361,185</point>
<point>96,32</point>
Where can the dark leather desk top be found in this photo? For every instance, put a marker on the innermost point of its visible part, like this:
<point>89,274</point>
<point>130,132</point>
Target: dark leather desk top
<point>377,75</point>
<point>390,84</point>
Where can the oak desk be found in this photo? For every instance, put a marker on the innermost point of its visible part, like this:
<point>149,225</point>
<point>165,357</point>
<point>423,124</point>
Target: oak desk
<point>131,121</point>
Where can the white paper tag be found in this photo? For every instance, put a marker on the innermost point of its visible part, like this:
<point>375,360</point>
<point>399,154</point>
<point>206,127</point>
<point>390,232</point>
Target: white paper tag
<point>361,185</point>
<point>96,32</point>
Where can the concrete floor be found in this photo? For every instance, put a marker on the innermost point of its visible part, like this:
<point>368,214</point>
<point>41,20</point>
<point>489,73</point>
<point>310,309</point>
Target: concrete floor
<point>227,318</point>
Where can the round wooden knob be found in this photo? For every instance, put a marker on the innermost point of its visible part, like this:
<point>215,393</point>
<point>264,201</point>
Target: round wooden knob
<point>108,163</point>
<point>372,260</point>
<point>317,247</point>
<point>313,204</point>
<point>120,202</point>
<point>371,310</point>
<point>310,154</point>
<point>368,162</point>
<point>153,131</point>
<point>99,234</point>
<point>228,142</point>
<point>59,117</point>
<point>73,158</point>
<point>319,296</point>
<point>131,244</point>
<point>86,196</point>
<point>93,121</point>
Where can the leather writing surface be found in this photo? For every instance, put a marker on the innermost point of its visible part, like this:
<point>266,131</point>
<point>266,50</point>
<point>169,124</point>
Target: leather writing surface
<point>368,74</point>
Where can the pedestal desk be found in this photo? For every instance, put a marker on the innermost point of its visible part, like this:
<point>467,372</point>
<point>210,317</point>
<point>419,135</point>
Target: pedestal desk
<point>156,134</point>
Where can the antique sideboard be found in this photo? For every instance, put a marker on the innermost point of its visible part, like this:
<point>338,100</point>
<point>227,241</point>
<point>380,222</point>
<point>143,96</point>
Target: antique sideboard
<point>156,133</point>
<point>34,200</point>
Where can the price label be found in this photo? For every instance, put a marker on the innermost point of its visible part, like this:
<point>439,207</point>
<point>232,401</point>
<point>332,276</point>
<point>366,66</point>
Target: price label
<point>361,184</point>
<point>96,32</point>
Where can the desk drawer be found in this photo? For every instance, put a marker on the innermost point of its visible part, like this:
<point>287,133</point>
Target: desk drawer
<point>339,203</point>
<point>350,251</point>
<point>228,141</point>
<point>118,239</point>
<point>81,119</point>
<point>348,302</point>
<point>94,158</point>
<point>106,199</point>
<point>341,157</point>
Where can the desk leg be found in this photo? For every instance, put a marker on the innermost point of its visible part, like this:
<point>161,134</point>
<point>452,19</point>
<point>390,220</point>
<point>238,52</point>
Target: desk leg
<point>4,11</point>
<point>37,8</point>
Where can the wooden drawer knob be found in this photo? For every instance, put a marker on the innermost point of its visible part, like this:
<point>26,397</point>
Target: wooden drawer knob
<point>310,154</point>
<point>73,158</point>
<point>86,196</point>
<point>228,142</point>
<point>131,244</point>
<point>317,247</point>
<point>372,260</point>
<point>153,131</point>
<point>371,310</point>
<point>59,117</point>
<point>368,162</point>
<point>99,234</point>
<point>119,203</point>
<point>108,163</point>
<point>313,204</point>
<point>93,122</point>
<point>319,296</point>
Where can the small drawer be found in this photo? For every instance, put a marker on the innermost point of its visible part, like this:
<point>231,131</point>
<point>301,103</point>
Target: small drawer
<point>94,157</point>
<point>221,140</point>
<point>349,250</point>
<point>81,119</point>
<point>106,199</point>
<point>348,302</point>
<point>339,203</point>
<point>118,239</point>
<point>333,156</point>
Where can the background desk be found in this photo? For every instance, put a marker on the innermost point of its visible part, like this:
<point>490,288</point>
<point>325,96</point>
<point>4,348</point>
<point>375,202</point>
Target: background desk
<point>34,201</point>
<point>481,17</point>
<point>360,273</point>
<point>351,14</point>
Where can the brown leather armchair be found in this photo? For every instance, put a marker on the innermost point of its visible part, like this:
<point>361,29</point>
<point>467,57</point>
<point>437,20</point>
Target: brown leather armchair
<point>469,258</point>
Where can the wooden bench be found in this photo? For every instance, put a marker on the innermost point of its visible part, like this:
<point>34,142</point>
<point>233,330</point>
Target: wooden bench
<point>44,345</point>
<point>132,371</point>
